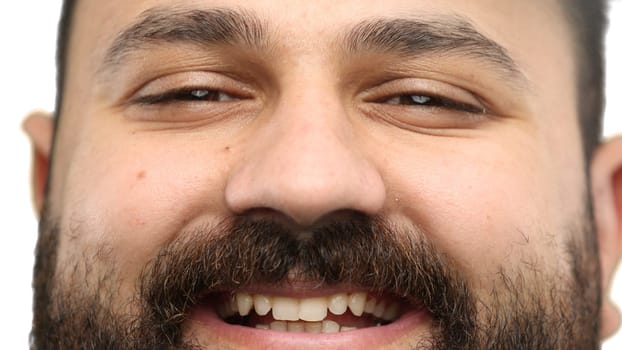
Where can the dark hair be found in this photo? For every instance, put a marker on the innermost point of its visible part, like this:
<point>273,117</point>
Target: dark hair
<point>587,19</point>
<point>62,44</point>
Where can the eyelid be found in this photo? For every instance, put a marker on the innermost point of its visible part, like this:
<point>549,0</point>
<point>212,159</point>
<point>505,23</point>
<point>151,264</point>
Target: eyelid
<point>187,81</point>
<point>416,86</point>
<point>181,95</point>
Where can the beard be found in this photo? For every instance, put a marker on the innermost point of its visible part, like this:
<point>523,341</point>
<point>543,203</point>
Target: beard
<point>529,309</point>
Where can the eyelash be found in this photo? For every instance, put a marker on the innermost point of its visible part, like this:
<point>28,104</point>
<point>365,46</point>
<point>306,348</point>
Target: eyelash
<point>187,95</point>
<point>432,101</point>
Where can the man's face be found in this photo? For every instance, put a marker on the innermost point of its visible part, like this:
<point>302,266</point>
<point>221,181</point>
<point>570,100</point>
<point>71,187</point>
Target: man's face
<point>312,159</point>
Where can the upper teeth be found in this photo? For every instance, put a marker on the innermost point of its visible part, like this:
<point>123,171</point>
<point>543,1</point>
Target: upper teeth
<point>309,309</point>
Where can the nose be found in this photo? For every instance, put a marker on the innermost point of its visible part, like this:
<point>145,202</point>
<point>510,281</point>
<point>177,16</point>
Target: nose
<point>305,162</point>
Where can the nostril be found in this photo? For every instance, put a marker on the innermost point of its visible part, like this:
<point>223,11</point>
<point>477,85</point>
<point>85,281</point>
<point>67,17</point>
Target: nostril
<point>285,223</point>
<point>267,214</point>
<point>291,226</point>
<point>342,215</point>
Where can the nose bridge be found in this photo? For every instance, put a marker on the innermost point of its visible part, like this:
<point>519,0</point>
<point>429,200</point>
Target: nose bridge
<point>305,163</point>
<point>314,138</point>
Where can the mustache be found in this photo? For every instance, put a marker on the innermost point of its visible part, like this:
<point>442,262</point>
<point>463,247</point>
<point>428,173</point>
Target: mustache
<point>357,250</point>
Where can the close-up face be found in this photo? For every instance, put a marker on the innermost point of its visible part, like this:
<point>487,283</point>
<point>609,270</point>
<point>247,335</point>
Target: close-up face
<point>320,174</point>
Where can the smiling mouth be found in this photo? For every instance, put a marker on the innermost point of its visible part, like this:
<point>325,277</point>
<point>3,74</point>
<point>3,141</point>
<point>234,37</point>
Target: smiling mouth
<point>334,313</point>
<point>302,317</point>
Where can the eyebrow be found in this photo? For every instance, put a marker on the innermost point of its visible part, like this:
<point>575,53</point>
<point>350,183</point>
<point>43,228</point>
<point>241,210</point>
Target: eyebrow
<point>176,25</point>
<point>441,35</point>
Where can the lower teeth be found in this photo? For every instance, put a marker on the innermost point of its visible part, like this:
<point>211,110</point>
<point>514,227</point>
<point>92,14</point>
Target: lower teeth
<point>306,327</point>
<point>326,326</point>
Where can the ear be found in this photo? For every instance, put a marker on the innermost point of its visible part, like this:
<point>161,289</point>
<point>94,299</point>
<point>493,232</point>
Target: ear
<point>39,127</point>
<point>606,172</point>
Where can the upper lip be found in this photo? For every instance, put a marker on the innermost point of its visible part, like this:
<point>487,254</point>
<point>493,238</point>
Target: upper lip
<point>302,289</point>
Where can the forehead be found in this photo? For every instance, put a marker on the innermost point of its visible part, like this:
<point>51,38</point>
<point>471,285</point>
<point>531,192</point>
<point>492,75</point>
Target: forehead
<point>325,12</point>
<point>513,24</point>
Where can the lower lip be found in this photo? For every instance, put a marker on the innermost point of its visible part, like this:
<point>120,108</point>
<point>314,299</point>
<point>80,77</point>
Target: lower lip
<point>410,324</point>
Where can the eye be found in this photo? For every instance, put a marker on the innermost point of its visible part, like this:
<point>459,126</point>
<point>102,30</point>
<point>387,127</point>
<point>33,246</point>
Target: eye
<point>431,101</point>
<point>192,98</point>
<point>187,95</point>
<point>419,103</point>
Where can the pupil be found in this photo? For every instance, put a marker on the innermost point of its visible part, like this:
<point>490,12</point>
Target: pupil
<point>420,99</point>
<point>200,93</point>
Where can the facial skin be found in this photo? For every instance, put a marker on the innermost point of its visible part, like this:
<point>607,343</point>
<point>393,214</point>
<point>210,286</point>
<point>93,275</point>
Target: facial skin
<point>312,135</point>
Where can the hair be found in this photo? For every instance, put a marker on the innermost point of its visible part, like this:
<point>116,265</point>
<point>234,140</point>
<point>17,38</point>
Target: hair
<point>62,51</point>
<point>587,20</point>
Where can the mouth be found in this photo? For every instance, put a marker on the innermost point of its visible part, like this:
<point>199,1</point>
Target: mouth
<point>340,312</point>
<point>339,319</point>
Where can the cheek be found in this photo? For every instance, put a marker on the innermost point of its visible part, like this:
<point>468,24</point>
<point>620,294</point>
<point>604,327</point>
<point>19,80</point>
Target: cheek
<point>139,196</point>
<point>485,202</point>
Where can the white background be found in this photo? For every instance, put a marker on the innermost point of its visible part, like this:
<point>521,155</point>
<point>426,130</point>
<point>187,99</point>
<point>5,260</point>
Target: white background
<point>27,73</point>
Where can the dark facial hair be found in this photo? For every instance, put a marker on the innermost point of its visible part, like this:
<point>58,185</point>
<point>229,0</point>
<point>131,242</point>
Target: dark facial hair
<point>357,250</point>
